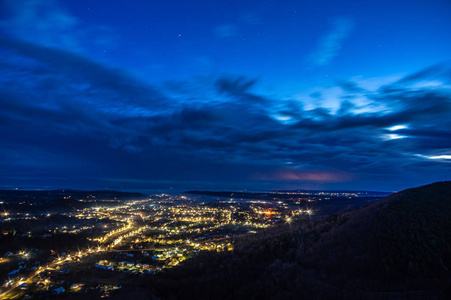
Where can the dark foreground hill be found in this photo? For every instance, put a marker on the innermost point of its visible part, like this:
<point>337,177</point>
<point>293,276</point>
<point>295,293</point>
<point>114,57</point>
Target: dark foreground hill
<point>397,248</point>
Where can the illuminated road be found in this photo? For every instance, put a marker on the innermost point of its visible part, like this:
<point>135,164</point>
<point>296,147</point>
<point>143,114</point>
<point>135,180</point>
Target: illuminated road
<point>8,294</point>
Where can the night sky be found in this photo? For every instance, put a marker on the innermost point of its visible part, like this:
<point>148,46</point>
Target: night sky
<point>224,95</point>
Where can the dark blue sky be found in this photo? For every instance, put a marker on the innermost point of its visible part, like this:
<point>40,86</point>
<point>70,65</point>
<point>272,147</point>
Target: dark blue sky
<point>224,94</point>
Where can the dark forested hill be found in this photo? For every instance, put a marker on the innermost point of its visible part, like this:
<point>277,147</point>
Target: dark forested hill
<point>397,248</point>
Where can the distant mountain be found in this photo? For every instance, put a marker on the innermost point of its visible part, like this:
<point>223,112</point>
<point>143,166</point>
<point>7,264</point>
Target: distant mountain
<point>31,195</point>
<point>397,248</point>
<point>277,195</point>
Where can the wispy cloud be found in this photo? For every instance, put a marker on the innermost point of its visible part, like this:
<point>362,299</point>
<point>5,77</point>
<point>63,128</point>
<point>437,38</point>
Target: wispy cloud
<point>48,23</point>
<point>42,21</point>
<point>329,46</point>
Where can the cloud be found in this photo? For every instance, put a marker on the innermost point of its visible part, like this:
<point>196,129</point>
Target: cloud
<point>48,23</point>
<point>440,71</point>
<point>89,120</point>
<point>329,45</point>
<point>234,86</point>
<point>85,74</point>
<point>40,20</point>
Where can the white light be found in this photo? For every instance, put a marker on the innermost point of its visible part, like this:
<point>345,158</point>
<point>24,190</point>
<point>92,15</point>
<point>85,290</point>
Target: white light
<point>439,157</point>
<point>394,136</point>
<point>397,127</point>
<point>283,119</point>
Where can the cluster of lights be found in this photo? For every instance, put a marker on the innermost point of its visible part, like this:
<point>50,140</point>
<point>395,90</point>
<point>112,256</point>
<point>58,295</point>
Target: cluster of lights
<point>201,220</point>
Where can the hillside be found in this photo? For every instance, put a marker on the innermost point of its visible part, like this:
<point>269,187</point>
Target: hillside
<point>399,247</point>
